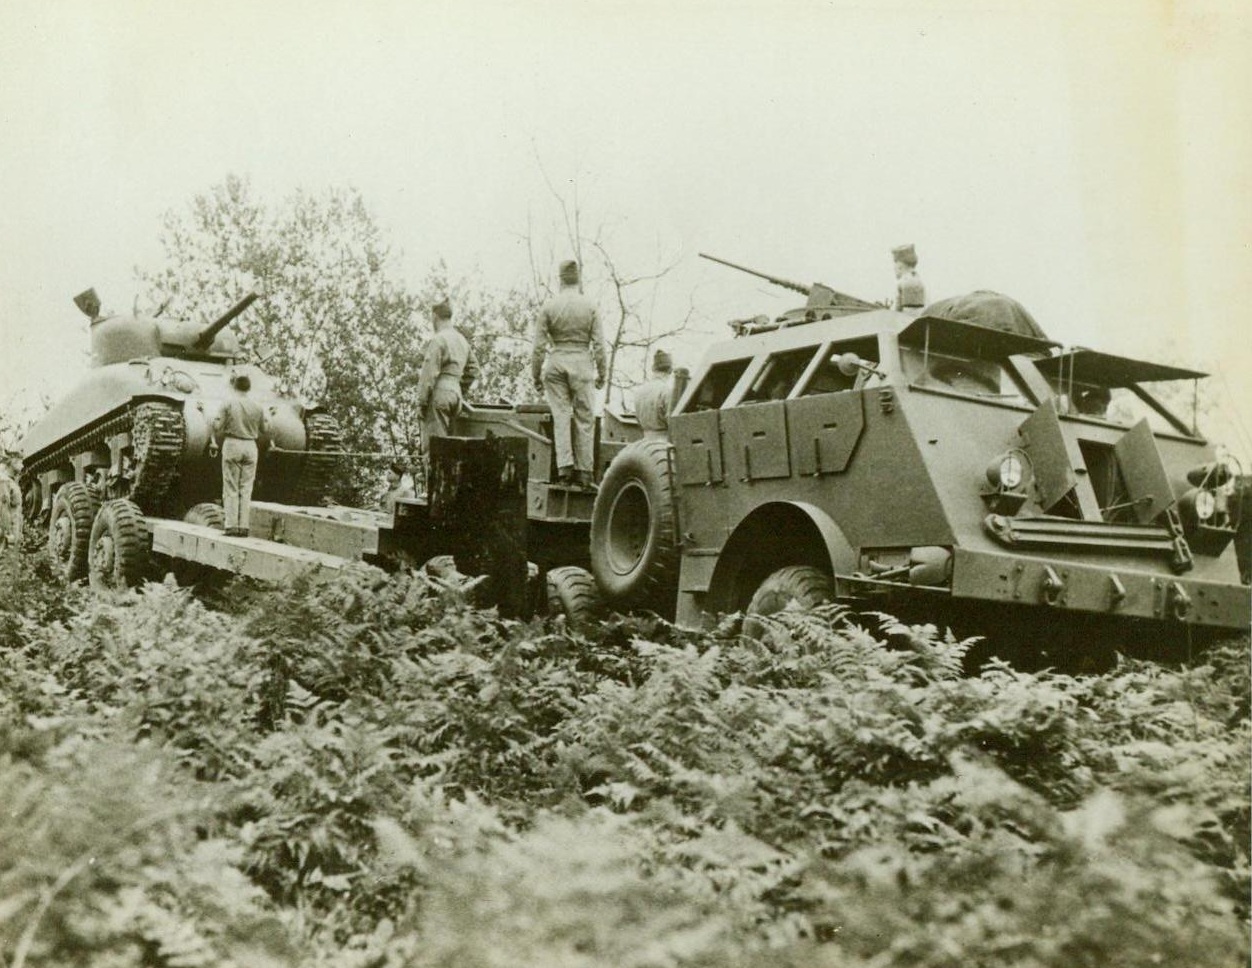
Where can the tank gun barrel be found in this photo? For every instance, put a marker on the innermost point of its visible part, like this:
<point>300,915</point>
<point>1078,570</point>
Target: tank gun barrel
<point>785,283</point>
<point>205,339</point>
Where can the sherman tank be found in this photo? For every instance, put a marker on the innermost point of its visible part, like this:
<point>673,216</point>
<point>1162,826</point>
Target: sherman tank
<point>138,427</point>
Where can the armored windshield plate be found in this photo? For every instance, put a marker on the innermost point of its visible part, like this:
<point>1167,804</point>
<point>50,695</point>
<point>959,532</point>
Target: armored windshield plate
<point>970,340</point>
<point>1106,370</point>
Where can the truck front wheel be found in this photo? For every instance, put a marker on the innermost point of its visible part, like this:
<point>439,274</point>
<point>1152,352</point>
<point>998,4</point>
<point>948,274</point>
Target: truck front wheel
<point>804,585</point>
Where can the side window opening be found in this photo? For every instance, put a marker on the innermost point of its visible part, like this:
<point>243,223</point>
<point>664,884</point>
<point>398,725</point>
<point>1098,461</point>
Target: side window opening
<point>779,375</point>
<point>830,376</point>
<point>716,385</point>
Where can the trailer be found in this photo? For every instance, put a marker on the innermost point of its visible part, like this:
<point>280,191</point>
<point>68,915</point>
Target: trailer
<point>474,510</point>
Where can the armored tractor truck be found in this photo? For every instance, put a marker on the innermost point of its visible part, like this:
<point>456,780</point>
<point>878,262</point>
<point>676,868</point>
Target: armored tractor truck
<point>848,451</point>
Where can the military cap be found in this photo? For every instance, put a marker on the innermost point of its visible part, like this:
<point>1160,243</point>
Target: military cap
<point>442,309</point>
<point>905,254</point>
<point>569,271</point>
<point>661,362</point>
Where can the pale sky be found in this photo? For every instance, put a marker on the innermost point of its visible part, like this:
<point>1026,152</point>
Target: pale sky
<point>1093,160</point>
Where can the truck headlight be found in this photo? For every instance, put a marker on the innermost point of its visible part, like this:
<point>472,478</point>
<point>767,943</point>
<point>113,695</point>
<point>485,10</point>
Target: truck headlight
<point>1205,505</point>
<point>1007,472</point>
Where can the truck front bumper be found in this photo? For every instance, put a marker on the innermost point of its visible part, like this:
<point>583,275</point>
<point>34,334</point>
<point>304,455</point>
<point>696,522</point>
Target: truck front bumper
<point>1069,586</point>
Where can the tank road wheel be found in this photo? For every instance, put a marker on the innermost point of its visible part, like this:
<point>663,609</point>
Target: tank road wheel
<point>805,585</point>
<point>634,548</point>
<point>207,515</point>
<point>69,529</point>
<point>572,592</point>
<point>119,545</point>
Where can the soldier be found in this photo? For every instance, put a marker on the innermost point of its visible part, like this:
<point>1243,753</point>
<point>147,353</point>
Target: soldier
<point>910,293</point>
<point>399,484</point>
<point>448,369</point>
<point>569,324</point>
<point>240,421</point>
<point>654,398</point>
<point>10,505</point>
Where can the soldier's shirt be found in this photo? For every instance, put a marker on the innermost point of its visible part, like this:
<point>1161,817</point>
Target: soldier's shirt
<point>240,416</point>
<point>449,362</point>
<point>568,321</point>
<point>652,401</point>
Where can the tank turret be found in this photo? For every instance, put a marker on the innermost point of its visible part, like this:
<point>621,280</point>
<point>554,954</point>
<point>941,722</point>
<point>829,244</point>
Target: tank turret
<point>139,426</point>
<point>120,339</point>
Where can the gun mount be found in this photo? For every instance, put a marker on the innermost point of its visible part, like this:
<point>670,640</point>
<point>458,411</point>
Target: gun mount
<point>823,302</point>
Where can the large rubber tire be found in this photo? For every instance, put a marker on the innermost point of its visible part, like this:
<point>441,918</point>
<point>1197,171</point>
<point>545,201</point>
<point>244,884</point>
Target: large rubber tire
<point>803,584</point>
<point>207,515</point>
<point>69,529</point>
<point>119,546</point>
<point>572,592</point>
<point>634,544</point>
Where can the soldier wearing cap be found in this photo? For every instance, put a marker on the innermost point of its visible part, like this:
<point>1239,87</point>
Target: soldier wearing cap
<point>910,293</point>
<point>449,367</point>
<point>654,398</point>
<point>568,364</point>
<point>10,504</point>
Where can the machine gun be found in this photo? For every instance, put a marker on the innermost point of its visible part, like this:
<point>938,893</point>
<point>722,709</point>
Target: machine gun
<point>205,339</point>
<point>823,302</point>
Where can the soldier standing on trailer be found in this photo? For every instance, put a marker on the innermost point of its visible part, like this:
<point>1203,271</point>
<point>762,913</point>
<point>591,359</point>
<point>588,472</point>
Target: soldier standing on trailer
<point>240,421</point>
<point>653,398</point>
<point>573,369</point>
<point>448,369</point>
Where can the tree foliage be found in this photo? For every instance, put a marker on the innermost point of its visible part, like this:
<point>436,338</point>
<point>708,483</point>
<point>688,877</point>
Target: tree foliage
<point>335,324</point>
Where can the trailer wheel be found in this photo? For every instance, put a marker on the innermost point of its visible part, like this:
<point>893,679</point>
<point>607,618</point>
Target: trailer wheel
<point>69,529</point>
<point>207,515</point>
<point>572,592</point>
<point>119,545</point>
<point>634,547</point>
<point>805,585</point>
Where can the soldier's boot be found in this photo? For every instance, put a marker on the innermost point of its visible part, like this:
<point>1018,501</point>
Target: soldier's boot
<point>583,480</point>
<point>565,475</point>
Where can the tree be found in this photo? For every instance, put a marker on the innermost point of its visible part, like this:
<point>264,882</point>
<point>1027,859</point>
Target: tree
<point>628,325</point>
<point>330,294</point>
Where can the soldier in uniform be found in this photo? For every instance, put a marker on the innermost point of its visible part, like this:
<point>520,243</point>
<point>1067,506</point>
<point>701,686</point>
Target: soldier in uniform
<point>654,398</point>
<point>10,505</point>
<point>399,484</point>
<point>568,364</point>
<point>448,369</point>
<point>240,421</point>
<point>910,293</point>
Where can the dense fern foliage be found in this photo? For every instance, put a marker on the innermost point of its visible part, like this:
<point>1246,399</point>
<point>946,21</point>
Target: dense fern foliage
<point>372,772</point>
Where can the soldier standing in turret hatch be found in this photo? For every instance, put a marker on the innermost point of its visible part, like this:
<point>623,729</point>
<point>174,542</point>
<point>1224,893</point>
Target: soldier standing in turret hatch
<point>910,293</point>
<point>449,367</point>
<point>569,325</point>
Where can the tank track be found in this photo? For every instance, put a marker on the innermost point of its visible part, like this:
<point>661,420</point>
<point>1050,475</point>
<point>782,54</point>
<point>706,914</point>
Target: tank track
<point>323,459</point>
<point>157,439</point>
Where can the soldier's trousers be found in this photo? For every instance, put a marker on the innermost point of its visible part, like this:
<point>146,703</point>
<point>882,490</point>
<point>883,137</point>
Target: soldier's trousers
<point>238,475</point>
<point>569,384</point>
<point>445,404</point>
